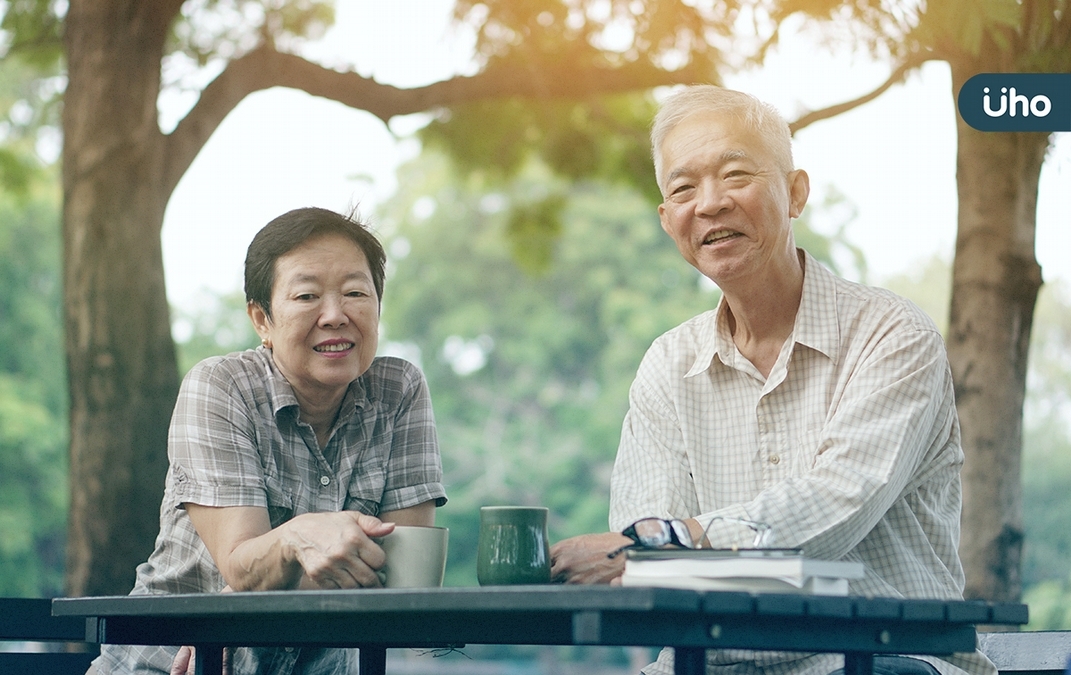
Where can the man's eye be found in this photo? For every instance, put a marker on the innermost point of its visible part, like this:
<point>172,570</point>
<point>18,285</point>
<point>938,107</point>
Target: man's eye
<point>306,296</point>
<point>356,294</point>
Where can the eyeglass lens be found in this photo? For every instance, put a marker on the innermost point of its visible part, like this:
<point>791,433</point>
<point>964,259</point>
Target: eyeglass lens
<point>656,532</point>
<point>764,535</point>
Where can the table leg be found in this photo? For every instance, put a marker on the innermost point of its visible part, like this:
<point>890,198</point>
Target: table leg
<point>858,663</point>
<point>208,660</point>
<point>690,661</point>
<point>373,660</point>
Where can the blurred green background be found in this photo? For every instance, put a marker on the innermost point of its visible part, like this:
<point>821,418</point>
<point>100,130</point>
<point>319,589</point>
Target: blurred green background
<point>529,360</point>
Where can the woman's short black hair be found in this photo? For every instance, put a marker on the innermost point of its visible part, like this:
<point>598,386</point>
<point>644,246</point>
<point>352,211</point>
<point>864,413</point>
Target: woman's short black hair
<point>293,228</point>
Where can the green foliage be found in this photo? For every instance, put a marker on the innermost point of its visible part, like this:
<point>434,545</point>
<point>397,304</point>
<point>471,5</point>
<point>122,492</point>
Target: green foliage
<point>928,285</point>
<point>967,23</point>
<point>33,29</point>
<point>604,138</point>
<point>1047,460</point>
<point>529,370</point>
<point>835,213</point>
<point>667,33</point>
<point>28,105</point>
<point>33,423</point>
<point>529,373</point>
<point>218,326</point>
<point>215,29</point>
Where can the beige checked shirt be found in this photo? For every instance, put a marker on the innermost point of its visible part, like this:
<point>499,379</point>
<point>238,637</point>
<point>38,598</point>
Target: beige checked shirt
<point>850,449</point>
<point>236,440</point>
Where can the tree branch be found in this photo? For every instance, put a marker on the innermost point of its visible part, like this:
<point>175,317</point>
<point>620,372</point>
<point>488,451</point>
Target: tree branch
<point>897,75</point>
<point>264,68</point>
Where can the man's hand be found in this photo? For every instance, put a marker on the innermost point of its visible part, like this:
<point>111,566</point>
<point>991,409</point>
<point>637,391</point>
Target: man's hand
<point>336,550</point>
<point>583,559</point>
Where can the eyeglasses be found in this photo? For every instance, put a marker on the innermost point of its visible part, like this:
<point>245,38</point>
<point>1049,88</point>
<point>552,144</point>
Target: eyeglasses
<point>764,534</point>
<point>656,533</point>
<point>659,532</point>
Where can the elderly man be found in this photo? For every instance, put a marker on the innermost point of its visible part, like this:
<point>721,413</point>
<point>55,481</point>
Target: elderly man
<point>815,407</point>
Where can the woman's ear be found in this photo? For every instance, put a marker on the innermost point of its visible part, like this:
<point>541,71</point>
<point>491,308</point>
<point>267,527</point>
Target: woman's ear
<point>261,322</point>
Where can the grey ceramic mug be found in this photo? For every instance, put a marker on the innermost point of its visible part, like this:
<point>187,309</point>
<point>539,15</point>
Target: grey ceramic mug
<point>514,547</point>
<point>416,557</point>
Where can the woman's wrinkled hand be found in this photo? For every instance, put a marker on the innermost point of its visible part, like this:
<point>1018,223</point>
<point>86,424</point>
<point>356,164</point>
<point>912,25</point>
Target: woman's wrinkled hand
<point>337,550</point>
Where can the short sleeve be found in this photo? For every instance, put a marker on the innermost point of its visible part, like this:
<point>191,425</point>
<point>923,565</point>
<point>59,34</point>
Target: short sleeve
<point>414,470</point>
<point>212,441</point>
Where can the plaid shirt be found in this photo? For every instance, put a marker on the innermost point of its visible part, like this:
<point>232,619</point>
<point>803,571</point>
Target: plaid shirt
<point>235,440</point>
<point>849,449</point>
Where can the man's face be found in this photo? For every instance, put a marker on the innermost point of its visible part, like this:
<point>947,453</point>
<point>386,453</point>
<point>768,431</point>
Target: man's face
<point>727,204</point>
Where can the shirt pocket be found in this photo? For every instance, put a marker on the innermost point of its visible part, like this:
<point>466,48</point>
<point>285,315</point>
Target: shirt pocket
<point>366,488</point>
<point>280,501</point>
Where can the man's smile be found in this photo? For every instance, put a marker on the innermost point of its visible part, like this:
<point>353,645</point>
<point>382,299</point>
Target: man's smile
<point>720,235</point>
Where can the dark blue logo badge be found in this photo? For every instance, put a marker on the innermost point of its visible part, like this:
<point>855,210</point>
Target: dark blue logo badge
<point>1017,102</point>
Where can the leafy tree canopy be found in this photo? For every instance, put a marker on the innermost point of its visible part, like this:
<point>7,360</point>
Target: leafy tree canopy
<point>33,402</point>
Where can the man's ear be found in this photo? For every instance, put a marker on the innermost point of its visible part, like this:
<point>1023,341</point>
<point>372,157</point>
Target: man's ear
<point>662,217</point>
<point>799,189</point>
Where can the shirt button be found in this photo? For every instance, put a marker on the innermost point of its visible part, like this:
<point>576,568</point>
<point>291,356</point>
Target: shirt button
<point>325,480</point>
<point>775,459</point>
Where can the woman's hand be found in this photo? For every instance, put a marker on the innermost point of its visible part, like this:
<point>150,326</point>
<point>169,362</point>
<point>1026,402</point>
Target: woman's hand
<point>584,559</point>
<point>318,550</point>
<point>336,550</point>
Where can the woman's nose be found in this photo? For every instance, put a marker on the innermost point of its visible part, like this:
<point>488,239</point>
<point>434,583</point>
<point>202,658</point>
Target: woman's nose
<point>331,312</point>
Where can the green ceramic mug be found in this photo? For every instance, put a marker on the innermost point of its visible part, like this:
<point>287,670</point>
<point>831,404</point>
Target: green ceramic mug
<point>514,547</point>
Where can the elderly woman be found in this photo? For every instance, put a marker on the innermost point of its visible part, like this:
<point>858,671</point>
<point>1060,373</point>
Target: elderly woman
<point>287,461</point>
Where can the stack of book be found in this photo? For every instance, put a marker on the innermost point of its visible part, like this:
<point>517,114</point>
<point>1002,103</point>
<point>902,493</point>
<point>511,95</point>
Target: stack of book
<point>750,570</point>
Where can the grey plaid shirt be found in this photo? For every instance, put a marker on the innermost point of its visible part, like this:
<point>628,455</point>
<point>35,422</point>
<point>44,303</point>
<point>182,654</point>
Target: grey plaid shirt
<point>235,440</point>
<point>850,449</point>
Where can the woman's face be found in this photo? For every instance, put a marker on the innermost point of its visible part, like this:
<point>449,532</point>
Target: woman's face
<point>324,327</point>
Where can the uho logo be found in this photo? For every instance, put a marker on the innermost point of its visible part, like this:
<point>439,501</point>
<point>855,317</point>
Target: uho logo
<point>1017,102</point>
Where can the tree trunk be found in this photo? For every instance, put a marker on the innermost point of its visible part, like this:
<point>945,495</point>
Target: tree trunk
<point>122,370</point>
<point>995,282</point>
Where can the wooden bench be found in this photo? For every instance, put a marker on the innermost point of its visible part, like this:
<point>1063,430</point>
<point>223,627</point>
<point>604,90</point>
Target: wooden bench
<point>1027,653</point>
<point>43,644</point>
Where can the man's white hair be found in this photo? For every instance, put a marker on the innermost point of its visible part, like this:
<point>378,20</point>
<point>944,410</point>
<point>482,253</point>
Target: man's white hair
<point>757,116</point>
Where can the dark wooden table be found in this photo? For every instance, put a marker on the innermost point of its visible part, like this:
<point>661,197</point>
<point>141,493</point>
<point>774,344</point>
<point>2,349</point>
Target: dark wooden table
<point>689,621</point>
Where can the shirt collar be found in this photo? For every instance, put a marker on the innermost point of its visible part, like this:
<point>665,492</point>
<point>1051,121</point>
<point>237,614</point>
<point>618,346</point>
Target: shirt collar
<point>816,323</point>
<point>281,394</point>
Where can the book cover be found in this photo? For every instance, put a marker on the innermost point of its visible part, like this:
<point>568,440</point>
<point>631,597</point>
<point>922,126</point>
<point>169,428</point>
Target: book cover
<point>810,586</point>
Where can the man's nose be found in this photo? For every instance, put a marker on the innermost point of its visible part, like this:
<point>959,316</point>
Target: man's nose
<point>711,198</point>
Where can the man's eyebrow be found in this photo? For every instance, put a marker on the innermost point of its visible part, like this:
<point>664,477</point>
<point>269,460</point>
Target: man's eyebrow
<point>302,278</point>
<point>724,158</point>
<point>676,173</point>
